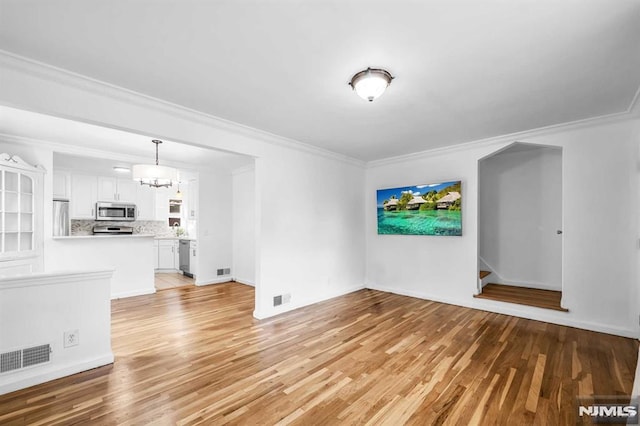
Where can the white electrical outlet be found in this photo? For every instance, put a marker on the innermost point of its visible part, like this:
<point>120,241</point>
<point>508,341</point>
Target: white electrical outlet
<point>286,298</point>
<point>71,338</point>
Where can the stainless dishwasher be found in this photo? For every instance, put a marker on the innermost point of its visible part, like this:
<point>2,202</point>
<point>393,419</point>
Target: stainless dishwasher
<point>185,266</point>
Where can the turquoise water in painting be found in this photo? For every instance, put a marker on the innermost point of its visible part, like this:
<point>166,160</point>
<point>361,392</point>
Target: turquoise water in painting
<point>416,222</point>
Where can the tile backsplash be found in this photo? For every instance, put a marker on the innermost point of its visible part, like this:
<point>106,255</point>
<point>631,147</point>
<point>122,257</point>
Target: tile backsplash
<point>158,228</point>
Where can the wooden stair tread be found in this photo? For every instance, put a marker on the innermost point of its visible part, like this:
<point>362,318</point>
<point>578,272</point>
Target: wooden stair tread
<point>484,274</point>
<point>547,299</point>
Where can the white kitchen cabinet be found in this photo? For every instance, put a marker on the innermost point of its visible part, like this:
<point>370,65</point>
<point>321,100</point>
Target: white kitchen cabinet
<point>83,196</point>
<point>192,207</point>
<point>162,204</point>
<point>61,185</point>
<point>116,189</point>
<point>146,202</point>
<point>168,254</point>
<point>107,189</point>
<point>20,190</point>
<point>193,247</point>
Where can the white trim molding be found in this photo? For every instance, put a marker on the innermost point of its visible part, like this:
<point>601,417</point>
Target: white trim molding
<point>78,81</point>
<point>53,278</point>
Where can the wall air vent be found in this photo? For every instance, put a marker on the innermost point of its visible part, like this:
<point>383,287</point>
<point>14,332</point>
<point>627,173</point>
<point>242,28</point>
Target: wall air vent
<point>10,361</point>
<point>22,358</point>
<point>225,271</point>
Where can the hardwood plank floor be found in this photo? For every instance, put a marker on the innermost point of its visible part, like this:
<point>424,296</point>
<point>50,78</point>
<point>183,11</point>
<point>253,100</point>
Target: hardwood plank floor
<point>195,355</point>
<point>547,299</point>
<point>165,280</point>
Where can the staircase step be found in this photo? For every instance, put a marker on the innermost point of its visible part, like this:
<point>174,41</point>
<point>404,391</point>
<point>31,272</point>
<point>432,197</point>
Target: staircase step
<point>547,299</point>
<point>484,274</point>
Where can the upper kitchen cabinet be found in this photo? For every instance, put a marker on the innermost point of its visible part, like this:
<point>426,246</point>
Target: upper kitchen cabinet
<point>84,190</point>
<point>116,189</point>
<point>61,185</point>
<point>162,204</point>
<point>145,202</point>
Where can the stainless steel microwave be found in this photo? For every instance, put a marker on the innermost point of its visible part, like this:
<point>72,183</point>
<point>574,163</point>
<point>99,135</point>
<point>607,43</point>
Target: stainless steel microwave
<point>115,211</point>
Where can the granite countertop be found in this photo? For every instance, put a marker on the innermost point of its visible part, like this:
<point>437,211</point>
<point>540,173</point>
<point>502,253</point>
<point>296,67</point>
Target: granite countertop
<point>172,237</point>
<point>78,237</point>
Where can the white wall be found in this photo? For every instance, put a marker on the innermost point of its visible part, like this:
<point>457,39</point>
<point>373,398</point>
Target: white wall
<point>398,263</point>
<point>310,236</point>
<point>600,262</point>
<point>37,310</point>
<point>214,227</point>
<point>313,249</point>
<point>520,198</point>
<point>243,227</point>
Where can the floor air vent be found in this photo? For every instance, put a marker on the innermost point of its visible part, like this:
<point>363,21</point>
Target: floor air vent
<point>22,358</point>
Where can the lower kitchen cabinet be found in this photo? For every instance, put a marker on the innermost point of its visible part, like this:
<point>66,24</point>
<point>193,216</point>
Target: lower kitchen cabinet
<point>167,254</point>
<point>193,247</point>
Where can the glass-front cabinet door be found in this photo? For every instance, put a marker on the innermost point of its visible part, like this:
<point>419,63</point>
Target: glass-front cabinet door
<point>17,213</point>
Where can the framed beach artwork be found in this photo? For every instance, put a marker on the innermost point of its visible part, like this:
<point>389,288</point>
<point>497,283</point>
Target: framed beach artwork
<point>431,209</point>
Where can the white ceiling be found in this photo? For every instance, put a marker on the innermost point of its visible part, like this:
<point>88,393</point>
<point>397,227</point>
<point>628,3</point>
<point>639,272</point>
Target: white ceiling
<point>465,69</point>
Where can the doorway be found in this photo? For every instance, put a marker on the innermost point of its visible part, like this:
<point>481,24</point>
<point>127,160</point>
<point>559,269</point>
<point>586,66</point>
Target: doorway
<point>520,222</point>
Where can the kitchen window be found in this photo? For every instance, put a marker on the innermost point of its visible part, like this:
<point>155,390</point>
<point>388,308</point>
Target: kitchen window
<point>174,208</point>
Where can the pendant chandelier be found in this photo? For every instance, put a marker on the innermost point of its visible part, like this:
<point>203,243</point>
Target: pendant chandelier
<point>155,175</point>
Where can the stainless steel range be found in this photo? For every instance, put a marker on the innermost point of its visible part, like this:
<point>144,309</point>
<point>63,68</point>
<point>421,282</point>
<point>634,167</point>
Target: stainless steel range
<point>112,230</point>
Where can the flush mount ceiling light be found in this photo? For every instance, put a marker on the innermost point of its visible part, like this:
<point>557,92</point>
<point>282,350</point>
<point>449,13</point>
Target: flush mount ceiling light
<point>371,83</point>
<point>121,169</point>
<point>153,174</point>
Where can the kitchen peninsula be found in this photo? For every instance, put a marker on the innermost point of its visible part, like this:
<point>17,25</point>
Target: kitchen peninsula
<point>129,256</point>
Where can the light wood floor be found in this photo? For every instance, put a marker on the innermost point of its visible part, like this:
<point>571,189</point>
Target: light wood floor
<point>195,355</point>
<point>164,281</point>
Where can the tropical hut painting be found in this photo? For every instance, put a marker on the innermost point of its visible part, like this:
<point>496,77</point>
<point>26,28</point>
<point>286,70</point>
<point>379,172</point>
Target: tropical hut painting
<point>391,204</point>
<point>448,200</point>
<point>432,209</point>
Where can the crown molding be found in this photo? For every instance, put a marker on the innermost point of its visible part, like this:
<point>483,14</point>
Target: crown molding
<point>511,137</point>
<point>244,169</point>
<point>78,81</point>
<point>634,108</point>
<point>88,152</point>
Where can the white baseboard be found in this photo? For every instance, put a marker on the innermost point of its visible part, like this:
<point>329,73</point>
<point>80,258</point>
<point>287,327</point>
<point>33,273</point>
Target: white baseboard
<point>245,282</point>
<point>140,292</point>
<point>37,378</point>
<point>520,311</point>
<point>224,279</point>
<point>258,314</point>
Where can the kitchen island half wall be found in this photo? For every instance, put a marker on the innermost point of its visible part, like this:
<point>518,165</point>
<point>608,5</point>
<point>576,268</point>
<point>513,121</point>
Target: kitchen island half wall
<point>129,256</point>
<point>53,325</point>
